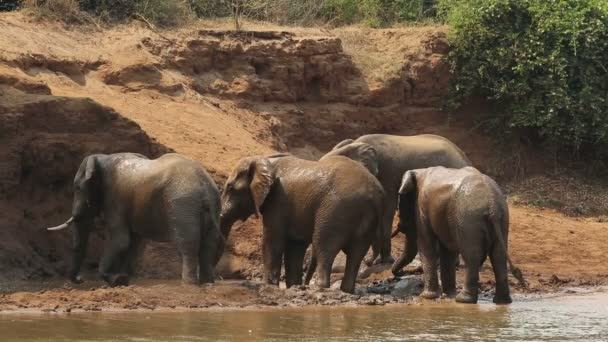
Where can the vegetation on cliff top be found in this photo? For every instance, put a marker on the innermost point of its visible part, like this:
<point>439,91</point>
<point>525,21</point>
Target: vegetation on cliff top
<point>543,63</point>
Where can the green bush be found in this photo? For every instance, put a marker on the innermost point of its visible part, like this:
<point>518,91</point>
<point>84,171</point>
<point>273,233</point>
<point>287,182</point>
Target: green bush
<point>542,62</point>
<point>377,13</point>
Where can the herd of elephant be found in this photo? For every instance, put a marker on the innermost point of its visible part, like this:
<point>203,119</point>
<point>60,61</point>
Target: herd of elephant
<point>345,202</point>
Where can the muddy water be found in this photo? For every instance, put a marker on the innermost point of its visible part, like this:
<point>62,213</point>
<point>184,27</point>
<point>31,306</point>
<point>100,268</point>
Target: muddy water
<point>582,318</point>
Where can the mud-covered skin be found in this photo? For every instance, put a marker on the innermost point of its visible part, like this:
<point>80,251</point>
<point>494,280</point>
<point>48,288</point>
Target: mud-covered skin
<point>391,157</point>
<point>169,198</point>
<point>456,211</point>
<point>334,204</point>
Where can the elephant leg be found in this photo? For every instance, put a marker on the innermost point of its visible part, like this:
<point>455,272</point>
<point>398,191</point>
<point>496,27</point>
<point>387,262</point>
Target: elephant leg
<point>294,262</point>
<point>325,255</point>
<point>498,258</point>
<point>448,271</point>
<point>273,248</point>
<point>115,254</point>
<point>473,253</point>
<point>384,245</point>
<point>354,256</point>
<point>430,257</point>
<point>188,241</point>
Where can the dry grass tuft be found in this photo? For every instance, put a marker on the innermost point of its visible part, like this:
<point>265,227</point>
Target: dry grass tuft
<point>67,11</point>
<point>380,53</point>
<point>572,194</point>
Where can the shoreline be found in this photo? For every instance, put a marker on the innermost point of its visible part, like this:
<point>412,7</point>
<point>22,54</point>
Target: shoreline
<point>259,298</point>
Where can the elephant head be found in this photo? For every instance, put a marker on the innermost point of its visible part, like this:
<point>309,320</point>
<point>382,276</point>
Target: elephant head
<point>245,190</point>
<point>361,152</point>
<point>85,206</point>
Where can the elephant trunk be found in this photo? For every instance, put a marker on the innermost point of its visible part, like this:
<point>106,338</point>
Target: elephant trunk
<point>410,251</point>
<point>227,220</point>
<point>80,244</point>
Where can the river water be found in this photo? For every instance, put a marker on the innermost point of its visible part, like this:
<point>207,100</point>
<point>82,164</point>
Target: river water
<point>575,318</point>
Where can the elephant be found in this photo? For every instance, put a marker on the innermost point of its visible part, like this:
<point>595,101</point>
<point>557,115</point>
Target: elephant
<point>451,212</point>
<point>388,157</point>
<point>169,198</point>
<point>333,205</point>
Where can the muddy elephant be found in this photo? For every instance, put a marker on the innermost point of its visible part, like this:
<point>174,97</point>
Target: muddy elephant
<point>389,157</point>
<point>452,212</point>
<point>334,205</point>
<point>171,198</point>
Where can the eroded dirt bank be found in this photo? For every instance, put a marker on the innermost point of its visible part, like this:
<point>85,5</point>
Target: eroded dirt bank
<point>218,96</point>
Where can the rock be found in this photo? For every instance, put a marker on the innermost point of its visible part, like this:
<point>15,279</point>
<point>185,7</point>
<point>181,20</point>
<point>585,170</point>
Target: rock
<point>409,286</point>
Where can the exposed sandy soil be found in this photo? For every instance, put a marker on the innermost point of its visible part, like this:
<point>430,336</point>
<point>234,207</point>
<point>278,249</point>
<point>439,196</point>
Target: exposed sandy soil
<point>217,96</point>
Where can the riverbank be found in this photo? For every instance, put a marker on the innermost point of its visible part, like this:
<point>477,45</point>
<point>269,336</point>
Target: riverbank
<point>218,96</point>
<point>171,296</point>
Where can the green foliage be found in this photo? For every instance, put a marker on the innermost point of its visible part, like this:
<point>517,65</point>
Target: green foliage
<point>543,62</point>
<point>377,13</point>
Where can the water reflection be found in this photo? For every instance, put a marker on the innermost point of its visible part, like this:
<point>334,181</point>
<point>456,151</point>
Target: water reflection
<point>575,318</point>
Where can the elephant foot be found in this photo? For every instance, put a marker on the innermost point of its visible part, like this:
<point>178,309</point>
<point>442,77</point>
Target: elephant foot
<point>207,280</point>
<point>450,293</point>
<point>466,298</point>
<point>347,289</point>
<point>398,272</point>
<point>502,299</point>
<point>76,279</point>
<point>426,294</point>
<point>119,280</point>
<point>271,280</point>
<point>190,281</point>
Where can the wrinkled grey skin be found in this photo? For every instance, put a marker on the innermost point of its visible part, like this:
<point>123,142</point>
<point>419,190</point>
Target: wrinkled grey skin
<point>452,212</point>
<point>389,157</point>
<point>334,205</point>
<point>169,198</point>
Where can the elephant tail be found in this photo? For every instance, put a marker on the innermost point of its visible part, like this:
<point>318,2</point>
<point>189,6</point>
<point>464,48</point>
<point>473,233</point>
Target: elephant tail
<point>496,224</point>
<point>383,236</point>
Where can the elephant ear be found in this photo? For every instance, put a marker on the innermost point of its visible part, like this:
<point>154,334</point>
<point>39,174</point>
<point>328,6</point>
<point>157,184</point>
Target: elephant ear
<point>343,143</point>
<point>90,168</point>
<point>262,177</point>
<point>408,183</point>
<point>407,204</point>
<point>367,156</point>
<point>361,152</point>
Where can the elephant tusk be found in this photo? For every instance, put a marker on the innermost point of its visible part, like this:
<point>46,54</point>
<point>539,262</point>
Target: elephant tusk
<point>62,226</point>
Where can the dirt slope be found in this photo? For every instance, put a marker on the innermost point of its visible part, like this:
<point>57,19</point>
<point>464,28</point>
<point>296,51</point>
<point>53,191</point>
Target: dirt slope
<point>218,96</point>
